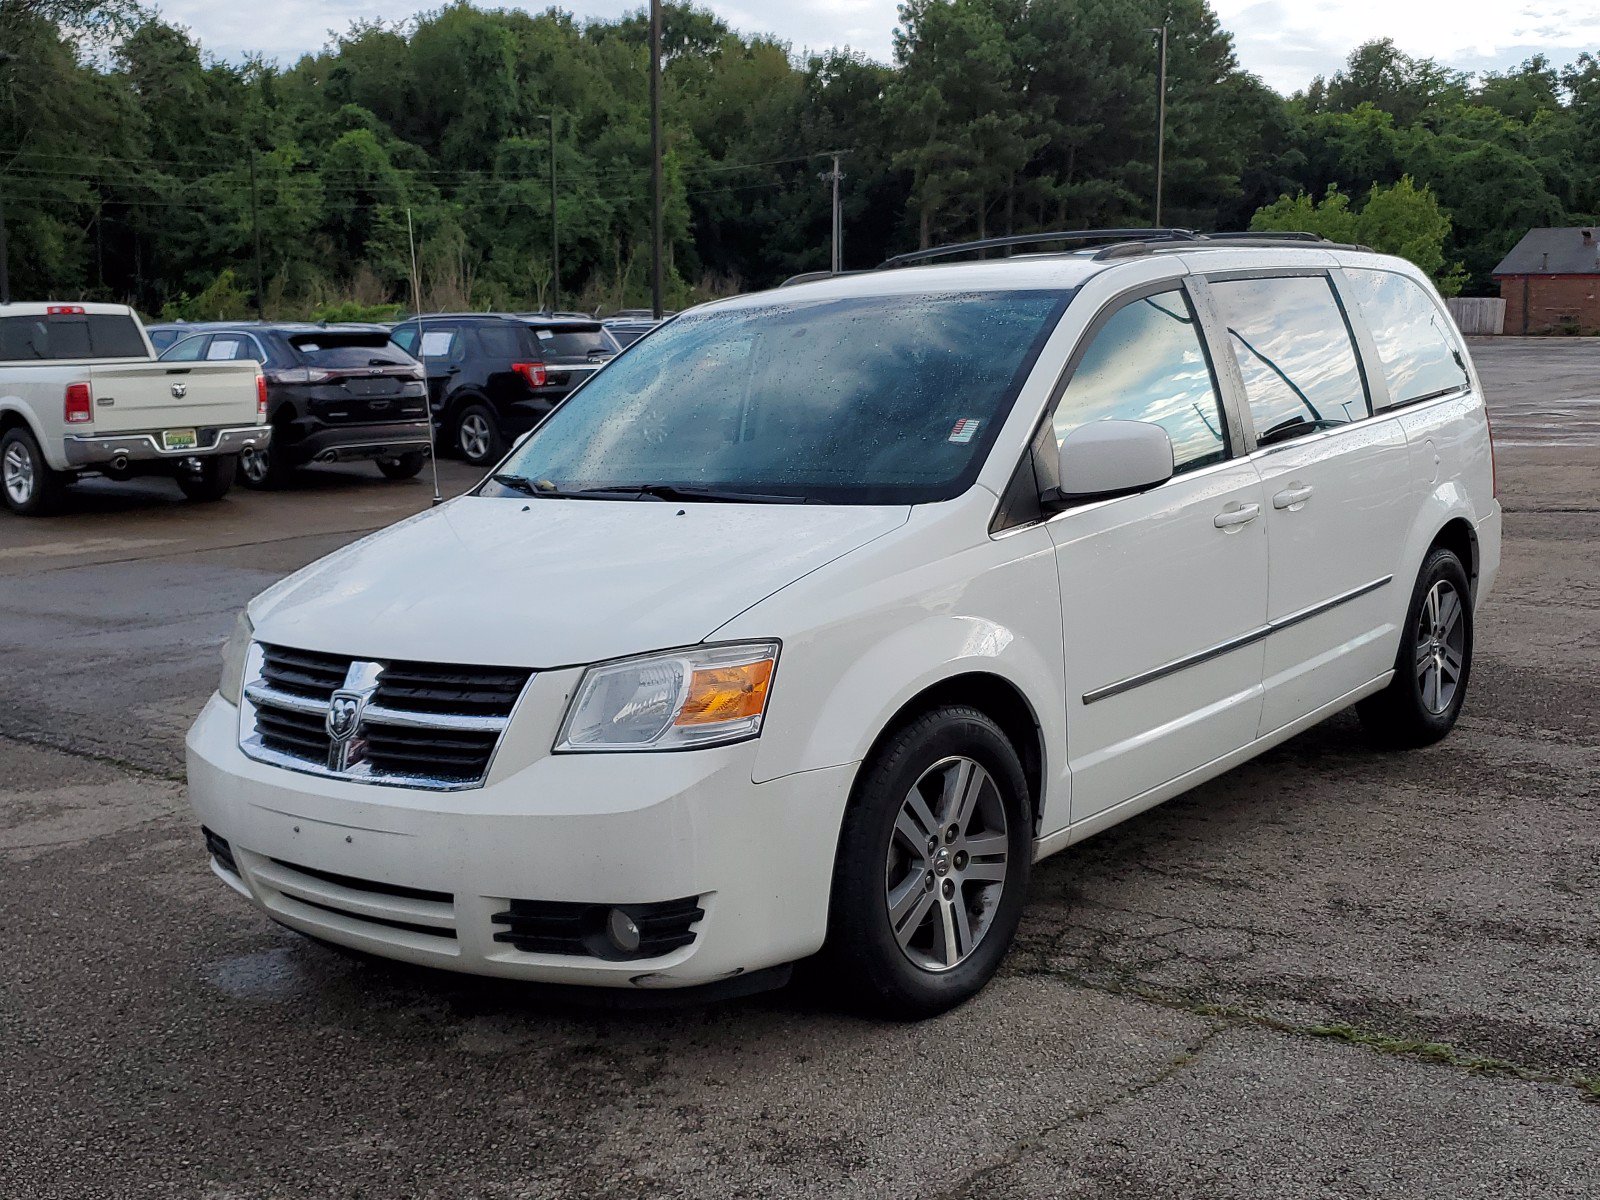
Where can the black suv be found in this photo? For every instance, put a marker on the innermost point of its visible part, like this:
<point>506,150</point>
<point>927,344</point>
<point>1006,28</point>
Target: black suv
<point>334,393</point>
<point>494,376</point>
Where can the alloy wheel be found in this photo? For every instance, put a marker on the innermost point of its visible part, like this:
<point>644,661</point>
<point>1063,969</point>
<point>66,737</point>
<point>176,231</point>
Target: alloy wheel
<point>946,866</point>
<point>17,472</point>
<point>1441,647</point>
<point>255,464</point>
<point>475,437</point>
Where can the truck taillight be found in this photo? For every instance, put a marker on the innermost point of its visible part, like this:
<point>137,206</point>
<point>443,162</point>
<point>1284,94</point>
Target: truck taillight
<point>63,310</point>
<point>261,395</point>
<point>532,372</point>
<point>78,407</point>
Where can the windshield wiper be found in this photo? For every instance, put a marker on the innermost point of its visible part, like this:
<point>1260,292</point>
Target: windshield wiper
<point>673,491</point>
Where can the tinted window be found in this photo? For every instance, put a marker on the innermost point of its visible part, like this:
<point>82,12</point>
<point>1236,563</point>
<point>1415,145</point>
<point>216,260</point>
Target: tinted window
<point>1418,351</point>
<point>1295,352</point>
<point>230,347</point>
<point>574,343</point>
<point>507,342</point>
<point>870,400</point>
<point>106,335</point>
<point>354,356</point>
<point>190,349</point>
<point>406,338</point>
<point>1147,363</point>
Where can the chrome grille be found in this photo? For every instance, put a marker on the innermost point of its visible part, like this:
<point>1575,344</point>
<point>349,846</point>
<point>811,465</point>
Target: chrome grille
<point>409,724</point>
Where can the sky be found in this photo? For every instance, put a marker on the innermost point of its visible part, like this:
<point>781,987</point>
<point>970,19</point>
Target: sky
<point>1286,42</point>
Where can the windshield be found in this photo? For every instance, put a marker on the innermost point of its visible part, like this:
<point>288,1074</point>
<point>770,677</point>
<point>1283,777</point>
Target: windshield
<point>869,400</point>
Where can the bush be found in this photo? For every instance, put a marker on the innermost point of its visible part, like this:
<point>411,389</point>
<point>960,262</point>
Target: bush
<point>223,300</point>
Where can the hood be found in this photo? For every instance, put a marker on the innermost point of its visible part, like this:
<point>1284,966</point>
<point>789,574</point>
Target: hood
<point>547,583</point>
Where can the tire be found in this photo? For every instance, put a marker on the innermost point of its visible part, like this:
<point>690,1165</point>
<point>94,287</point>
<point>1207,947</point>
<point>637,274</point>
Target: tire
<point>262,470</point>
<point>930,965</point>
<point>407,466</point>
<point>1421,705</point>
<point>28,485</point>
<point>478,437</point>
<point>211,481</point>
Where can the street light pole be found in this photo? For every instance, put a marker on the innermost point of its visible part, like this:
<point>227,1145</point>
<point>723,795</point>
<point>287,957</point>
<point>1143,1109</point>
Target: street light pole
<point>1161,116</point>
<point>655,160</point>
<point>555,239</point>
<point>835,176</point>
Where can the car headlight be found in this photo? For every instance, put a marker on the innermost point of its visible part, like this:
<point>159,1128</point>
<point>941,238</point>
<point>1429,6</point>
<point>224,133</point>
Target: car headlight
<point>675,700</point>
<point>234,651</point>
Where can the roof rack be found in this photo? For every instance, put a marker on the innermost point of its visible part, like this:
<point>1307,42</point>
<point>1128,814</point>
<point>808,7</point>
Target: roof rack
<point>813,276</point>
<point>1039,239</point>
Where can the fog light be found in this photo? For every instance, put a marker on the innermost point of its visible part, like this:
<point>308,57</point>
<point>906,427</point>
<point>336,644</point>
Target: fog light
<point>624,934</point>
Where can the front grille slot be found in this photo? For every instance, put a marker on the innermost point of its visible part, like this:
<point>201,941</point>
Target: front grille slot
<point>560,927</point>
<point>372,905</point>
<point>370,885</point>
<point>423,725</point>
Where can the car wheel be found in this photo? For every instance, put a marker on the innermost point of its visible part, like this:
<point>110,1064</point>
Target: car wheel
<point>933,865</point>
<point>407,466</point>
<point>1423,701</point>
<point>260,469</point>
<point>211,480</point>
<point>477,436</point>
<point>29,486</point>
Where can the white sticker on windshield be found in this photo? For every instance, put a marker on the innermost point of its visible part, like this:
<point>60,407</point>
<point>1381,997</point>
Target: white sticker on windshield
<point>965,430</point>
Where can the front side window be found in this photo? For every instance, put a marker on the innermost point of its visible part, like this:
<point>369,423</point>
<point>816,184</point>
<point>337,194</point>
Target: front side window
<point>1147,363</point>
<point>866,400</point>
<point>189,349</point>
<point>1295,352</point>
<point>1417,348</point>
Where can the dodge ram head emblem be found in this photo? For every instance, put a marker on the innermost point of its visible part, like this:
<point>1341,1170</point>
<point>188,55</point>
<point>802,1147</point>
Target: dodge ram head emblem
<point>346,746</point>
<point>180,390</point>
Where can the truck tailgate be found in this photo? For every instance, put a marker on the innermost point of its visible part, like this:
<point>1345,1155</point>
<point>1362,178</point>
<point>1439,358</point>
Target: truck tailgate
<point>136,397</point>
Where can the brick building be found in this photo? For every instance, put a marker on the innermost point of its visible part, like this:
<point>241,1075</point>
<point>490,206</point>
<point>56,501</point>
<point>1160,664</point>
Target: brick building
<point>1551,282</point>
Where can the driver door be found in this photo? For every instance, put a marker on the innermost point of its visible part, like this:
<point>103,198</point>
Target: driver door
<point>1163,593</point>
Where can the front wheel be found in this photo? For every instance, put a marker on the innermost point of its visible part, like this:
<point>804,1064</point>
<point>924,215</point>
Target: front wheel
<point>210,481</point>
<point>407,466</point>
<point>478,436</point>
<point>933,865</point>
<point>1423,701</point>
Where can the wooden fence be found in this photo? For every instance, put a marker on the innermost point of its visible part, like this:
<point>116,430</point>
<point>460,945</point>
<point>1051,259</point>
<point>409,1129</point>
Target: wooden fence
<point>1478,314</point>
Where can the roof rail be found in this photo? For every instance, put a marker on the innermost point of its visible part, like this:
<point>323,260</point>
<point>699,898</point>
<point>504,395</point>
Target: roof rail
<point>1223,241</point>
<point>813,276</point>
<point>1036,239</point>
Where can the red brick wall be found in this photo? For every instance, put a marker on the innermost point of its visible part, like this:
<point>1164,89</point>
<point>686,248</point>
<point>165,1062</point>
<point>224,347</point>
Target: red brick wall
<point>1555,303</point>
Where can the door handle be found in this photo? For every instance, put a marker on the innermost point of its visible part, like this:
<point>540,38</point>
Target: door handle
<point>1235,517</point>
<point>1292,497</point>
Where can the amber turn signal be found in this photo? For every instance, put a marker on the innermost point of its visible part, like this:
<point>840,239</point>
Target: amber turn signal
<point>718,694</point>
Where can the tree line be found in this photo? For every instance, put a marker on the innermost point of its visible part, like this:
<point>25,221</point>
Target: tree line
<point>134,166</point>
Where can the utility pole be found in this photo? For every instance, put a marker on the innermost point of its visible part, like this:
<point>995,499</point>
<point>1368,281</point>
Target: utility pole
<point>1161,115</point>
<point>834,177</point>
<point>555,239</point>
<point>655,160</point>
<point>255,225</point>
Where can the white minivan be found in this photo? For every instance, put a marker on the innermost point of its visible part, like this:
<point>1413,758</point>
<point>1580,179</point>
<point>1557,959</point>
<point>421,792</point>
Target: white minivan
<point>819,615</point>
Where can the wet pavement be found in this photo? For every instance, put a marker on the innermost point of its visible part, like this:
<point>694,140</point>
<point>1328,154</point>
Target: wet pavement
<point>1330,973</point>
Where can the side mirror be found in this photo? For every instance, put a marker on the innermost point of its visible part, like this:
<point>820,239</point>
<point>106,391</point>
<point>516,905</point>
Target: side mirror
<point>1113,458</point>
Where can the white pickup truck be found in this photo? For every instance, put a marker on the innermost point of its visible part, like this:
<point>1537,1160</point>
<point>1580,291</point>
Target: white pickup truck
<point>80,392</point>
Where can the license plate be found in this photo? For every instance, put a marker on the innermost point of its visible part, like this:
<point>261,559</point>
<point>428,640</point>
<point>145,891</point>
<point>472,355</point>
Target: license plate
<point>179,439</point>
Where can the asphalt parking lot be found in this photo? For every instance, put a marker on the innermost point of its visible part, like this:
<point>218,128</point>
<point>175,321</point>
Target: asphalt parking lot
<point>1330,973</point>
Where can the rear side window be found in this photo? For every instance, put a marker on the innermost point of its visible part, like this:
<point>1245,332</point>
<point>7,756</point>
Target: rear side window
<point>231,347</point>
<point>1419,353</point>
<point>502,342</point>
<point>1147,363</point>
<point>98,335</point>
<point>1295,352</point>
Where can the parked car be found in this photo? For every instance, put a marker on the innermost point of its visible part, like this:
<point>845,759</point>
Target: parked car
<point>164,333</point>
<point>335,393</point>
<point>631,324</point>
<point>494,376</point>
<point>916,577</point>
<point>81,393</point>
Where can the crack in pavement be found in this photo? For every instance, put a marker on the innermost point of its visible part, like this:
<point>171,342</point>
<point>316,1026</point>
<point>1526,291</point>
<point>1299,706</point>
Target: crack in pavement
<point>60,745</point>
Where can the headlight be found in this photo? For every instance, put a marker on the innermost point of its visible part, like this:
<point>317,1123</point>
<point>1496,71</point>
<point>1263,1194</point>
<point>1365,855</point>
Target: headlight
<point>234,651</point>
<point>671,701</point>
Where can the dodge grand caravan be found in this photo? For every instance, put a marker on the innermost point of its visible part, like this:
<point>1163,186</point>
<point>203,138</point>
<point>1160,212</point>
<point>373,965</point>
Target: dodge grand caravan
<point>818,617</point>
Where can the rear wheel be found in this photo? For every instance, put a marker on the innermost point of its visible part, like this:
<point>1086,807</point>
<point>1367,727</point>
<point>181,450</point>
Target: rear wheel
<point>478,436</point>
<point>933,865</point>
<point>259,468</point>
<point>210,480</point>
<point>1423,701</point>
<point>407,466</point>
<point>30,487</point>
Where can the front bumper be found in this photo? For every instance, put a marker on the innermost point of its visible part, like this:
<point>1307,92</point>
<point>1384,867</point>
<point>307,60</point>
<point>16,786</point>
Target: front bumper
<point>604,829</point>
<point>104,449</point>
